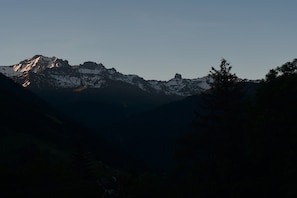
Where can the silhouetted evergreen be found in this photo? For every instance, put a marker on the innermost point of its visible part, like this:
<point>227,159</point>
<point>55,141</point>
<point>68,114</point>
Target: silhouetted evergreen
<point>220,105</point>
<point>215,153</point>
<point>82,164</point>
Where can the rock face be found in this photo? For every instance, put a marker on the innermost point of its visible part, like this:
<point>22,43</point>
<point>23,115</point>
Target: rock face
<point>51,72</point>
<point>178,76</point>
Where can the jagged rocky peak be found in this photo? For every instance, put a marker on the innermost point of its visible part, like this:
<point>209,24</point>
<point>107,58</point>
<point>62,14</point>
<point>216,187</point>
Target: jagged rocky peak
<point>92,65</point>
<point>178,76</point>
<point>39,63</point>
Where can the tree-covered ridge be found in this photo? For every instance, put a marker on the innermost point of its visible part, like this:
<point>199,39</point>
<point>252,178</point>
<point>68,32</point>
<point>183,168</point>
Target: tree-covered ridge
<point>245,147</point>
<point>284,70</point>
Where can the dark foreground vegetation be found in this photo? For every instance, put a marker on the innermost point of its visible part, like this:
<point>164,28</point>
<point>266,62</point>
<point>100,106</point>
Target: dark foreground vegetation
<point>244,145</point>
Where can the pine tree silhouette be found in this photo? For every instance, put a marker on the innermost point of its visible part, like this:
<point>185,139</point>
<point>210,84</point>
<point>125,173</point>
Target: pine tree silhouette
<point>219,107</point>
<point>215,148</point>
<point>82,163</point>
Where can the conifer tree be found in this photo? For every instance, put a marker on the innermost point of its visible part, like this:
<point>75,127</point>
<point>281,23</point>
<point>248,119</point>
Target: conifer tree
<point>82,163</point>
<point>220,104</point>
<point>219,130</point>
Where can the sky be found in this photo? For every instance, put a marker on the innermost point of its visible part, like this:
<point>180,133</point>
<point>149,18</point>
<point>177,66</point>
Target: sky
<point>153,38</point>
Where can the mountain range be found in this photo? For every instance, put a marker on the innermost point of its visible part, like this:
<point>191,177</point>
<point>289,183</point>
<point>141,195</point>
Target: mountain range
<point>142,117</point>
<point>53,73</point>
<point>86,130</point>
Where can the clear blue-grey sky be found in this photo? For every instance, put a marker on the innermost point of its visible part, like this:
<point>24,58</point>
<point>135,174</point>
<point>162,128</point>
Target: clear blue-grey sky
<point>153,38</point>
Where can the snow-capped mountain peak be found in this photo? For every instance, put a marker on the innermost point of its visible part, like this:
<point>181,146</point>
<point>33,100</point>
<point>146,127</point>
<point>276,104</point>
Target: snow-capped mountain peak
<point>36,64</point>
<point>51,72</point>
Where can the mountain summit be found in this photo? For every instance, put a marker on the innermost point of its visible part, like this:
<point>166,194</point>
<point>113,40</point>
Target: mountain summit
<point>51,72</point>
<point>35,64</point>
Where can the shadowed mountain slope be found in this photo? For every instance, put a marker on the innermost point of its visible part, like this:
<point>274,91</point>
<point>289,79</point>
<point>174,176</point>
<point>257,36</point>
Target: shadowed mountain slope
<point>25,113</point>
